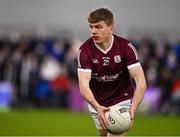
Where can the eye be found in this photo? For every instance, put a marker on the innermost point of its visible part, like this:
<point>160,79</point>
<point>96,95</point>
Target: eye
<point>90,26</point>
<point>98,26</point>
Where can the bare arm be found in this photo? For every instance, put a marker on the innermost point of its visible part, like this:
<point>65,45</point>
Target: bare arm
<point>138,75</point>
<point>84,78</point>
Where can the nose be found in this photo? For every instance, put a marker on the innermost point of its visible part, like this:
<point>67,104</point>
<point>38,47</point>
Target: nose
<point>93,30</point>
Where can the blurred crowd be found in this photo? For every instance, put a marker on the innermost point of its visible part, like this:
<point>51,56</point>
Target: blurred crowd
<point>160,59</point>
<point>42,70</point>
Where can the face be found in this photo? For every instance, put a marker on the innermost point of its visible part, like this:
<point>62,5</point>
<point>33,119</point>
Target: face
<point>100,32</point>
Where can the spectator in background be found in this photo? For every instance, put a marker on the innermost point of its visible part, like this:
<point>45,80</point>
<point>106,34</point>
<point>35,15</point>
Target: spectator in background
<point>165,85</point>
<point>175,95</point>
<point>29,75</point>
<point>177,50</point>
<point>61,88</point>
<point>49,70</point>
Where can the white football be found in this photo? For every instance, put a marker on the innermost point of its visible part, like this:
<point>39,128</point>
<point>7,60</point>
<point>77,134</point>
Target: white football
<point>118,120</point>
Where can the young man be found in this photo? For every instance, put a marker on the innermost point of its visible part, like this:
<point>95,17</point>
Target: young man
<point>106,63</point>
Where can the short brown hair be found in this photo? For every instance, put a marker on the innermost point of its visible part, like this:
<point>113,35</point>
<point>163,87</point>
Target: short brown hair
<point>101,14</point>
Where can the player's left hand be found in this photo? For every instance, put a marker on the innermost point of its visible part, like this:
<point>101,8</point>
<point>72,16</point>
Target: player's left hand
<point>132,113</point>
<point>132,122</point>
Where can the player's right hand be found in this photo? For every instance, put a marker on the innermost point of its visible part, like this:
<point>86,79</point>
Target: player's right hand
<point>101,115</point>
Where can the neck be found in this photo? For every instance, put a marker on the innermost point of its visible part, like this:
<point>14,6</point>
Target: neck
<point>106,44</point>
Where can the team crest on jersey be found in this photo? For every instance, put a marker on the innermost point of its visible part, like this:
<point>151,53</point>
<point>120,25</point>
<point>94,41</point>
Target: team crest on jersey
<point>117,58</point>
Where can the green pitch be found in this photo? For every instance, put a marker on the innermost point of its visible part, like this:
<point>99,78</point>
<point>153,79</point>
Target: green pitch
<point>64,123</point>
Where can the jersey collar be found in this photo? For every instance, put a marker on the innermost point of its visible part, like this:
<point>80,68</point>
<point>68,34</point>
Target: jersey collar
<point>108,49</point>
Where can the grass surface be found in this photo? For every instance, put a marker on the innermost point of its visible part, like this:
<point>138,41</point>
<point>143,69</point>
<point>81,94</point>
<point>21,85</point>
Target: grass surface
<point>64,123</point>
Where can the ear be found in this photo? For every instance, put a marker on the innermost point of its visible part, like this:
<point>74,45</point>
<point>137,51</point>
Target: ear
<point>111,28</point>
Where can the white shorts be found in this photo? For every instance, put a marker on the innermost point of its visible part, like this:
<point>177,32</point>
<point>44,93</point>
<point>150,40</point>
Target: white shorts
<point>126,104</point>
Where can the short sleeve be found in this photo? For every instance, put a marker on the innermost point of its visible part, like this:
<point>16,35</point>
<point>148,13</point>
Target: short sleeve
<point>84,62</point>
<point>132,59</point>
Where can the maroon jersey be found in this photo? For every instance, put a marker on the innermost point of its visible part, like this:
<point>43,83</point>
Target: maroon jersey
<point>110,80</point>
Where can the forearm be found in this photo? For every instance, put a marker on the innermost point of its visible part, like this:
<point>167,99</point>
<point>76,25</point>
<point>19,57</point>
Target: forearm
<point>138,75</point>
<point>138,95</point>
<point>88,95</point>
